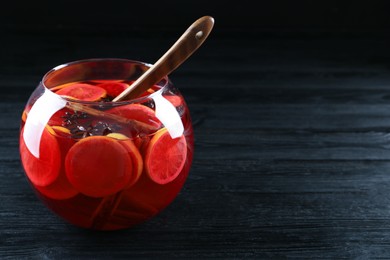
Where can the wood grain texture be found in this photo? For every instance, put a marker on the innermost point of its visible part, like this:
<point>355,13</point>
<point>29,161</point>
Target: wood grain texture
<point>292,155</point>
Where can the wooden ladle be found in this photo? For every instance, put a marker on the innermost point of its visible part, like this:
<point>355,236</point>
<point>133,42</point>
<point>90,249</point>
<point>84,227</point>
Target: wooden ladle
<point>190,41</point>
<point>182,49</point>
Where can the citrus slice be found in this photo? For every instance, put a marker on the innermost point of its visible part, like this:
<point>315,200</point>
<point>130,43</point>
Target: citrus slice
<point>83,91</point>
<point>98,166</point>
<point>137,112</point>
<point>58,87</point>
<point>60,189</point>
<point>98,81</point>
<point>64,139</point>
<point>174,100</point>
<point>145,118</point>
<point>113,88</point>
<point>24,116</point>
<point>44,170</point>
<point>61,131</point>
<point>147,92</point>
<point>134,154</point>
<point>165,157</point>
<point>141,143</point>
<point>138,162</point>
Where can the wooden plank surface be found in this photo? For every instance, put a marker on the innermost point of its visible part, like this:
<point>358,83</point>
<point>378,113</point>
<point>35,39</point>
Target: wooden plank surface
<point>292,155</point>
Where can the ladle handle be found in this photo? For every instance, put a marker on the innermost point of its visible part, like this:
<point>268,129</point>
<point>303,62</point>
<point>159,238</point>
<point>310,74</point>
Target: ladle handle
<point>189,42</point>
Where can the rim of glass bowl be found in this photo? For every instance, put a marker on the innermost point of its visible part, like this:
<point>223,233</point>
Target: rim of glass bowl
<point>164,83</point>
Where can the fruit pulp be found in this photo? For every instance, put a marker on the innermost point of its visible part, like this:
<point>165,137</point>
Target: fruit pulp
<point>113,169</point>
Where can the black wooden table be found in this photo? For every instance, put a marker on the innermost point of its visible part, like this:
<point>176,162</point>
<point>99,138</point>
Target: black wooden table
<point>292,155</point>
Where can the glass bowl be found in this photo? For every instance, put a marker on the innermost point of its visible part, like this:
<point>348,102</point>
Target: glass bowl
<point>100,164</point>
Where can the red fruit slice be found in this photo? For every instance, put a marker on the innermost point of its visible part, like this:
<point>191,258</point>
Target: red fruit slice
<point>165,157</point>
<point>135,155</point>
<point>98,166</point>
<point>147,92</point>
<point>44,170</point>
<point>24,116</point>
<point>83,91</point>
<point>113,89</point>
<point>98,81</point>
<point>175,100</point>
<point>137,112</point>
<point>61,131</point>
<point>58,87</point>
<point>141,143</point>
<point>60,189</point>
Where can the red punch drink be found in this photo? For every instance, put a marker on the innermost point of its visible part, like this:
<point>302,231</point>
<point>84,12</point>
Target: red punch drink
<point>100,164</point>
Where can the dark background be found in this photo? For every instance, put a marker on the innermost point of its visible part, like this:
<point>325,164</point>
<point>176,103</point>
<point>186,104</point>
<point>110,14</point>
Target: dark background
<point>75,26</point>
<point>279,16</point>
<point>290,104</point>
<point>84,29</point>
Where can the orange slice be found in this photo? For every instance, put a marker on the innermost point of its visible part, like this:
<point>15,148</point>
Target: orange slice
<point>165,157</point>
<point>98,166</point>
<point>58,87</point>
<point>113,89</point>
<point>98,81</point>
<point>137,112</point>
<point>61,131</point>
<point>147,92</point>
<point>44,170</point>
<point>141,143</point>
<point>83,91</point>
<point>60,189</point>
<point>134,154</point>
<point>174,100</point>
<point>24,116</point>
